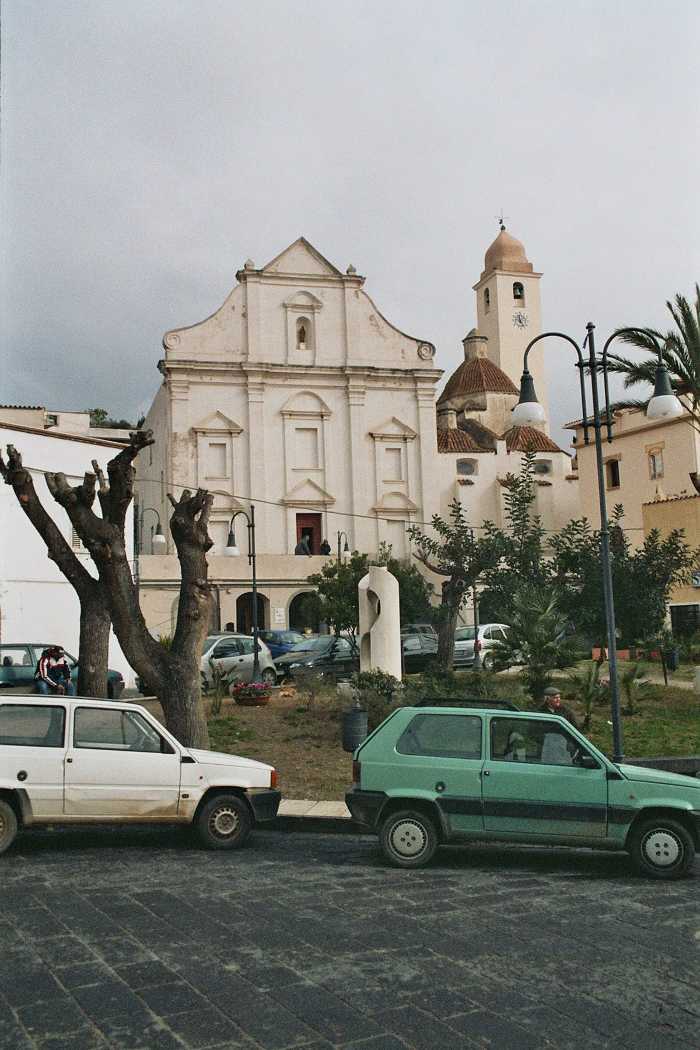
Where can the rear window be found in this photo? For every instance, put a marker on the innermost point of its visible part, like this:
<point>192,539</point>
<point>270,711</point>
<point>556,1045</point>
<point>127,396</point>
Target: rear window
<point>465,634</point>
<point>442,736</point>
<point>32,726</point>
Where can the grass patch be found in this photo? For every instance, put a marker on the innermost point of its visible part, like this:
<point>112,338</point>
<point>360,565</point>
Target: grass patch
<point>227,733</point>
<point>668,724</point>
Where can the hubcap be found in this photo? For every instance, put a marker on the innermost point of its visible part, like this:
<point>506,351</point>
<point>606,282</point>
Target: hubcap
<point>408,838</point>
<point>224,822</point>
<point>661,848</point>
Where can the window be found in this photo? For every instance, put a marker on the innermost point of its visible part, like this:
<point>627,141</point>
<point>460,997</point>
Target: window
<point>533,741</point>
<point>116,731</point>
<point>543,466</point>
<point>51,419</point>
<point>392,464</point>
<point>411,645</point>
<point>246,646</point>
<point>612,473</point>
<point>17,656</point>
<point>487,299</point>
<point>518,293</point>
<point>342,647</point>
<point>442,736</point>
<point>306,448</point>
<point>467,467</point>
<point>75,541</point>
<point>656,464</point>
<point>216,459</point>
<point>465,634</point>
<point>27,725</point>
<point>225,649</point>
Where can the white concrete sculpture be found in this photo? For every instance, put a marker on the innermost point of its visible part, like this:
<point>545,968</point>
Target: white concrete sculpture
<point>380,627</point>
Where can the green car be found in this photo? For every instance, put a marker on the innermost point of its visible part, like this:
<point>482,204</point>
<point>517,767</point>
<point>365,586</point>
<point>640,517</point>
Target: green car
<point>442,774</point>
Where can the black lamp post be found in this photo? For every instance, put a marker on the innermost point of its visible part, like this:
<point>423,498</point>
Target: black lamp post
<point>233,551</point>
<point>158,540</point>
<point>346,548</point>
<point>664,404</point>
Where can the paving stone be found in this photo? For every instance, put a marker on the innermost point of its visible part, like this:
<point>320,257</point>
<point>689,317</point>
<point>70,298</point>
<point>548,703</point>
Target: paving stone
<point>82,1039</point>
<point>326,1013</point>
<point>52,1017</point>
<point>377,1042</point>
<point>12,1037</point>
<point>203,1028</point>
<point>422,1031</point>
<point>30,985</point>
<point>142,975</point>
<point>151,1036</point>
<point>173,998</point>
<point>111,999</point>
<point>84,973</point>
<point>485,1028</point>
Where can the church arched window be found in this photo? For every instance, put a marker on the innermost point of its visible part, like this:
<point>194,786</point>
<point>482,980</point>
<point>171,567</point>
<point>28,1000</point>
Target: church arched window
<point>519,293</point>
<point>487,299</point>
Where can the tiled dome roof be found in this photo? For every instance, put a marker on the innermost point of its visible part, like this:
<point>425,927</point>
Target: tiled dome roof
<point>478,376</point>
<point>528,439</point>
<point>455,440</point>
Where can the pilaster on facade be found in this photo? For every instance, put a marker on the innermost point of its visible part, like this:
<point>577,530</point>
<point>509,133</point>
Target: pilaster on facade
<point>257,487</point>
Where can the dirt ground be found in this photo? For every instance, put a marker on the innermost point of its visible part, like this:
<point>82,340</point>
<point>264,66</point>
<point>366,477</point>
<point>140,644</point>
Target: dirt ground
<point>304,746</point>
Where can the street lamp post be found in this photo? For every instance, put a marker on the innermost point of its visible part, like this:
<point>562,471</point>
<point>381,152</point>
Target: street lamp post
<point>233,551</point>
<point>158,540</point>
<point>158,543</point>
<point>346,548</point>
<point>664,403</point>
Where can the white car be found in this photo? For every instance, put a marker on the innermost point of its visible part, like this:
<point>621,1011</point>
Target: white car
<point>469,643</point>
<point>232,655</point>
<point>72,760</point>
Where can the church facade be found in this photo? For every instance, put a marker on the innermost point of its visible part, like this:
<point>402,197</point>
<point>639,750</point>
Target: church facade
<point>298,396</point>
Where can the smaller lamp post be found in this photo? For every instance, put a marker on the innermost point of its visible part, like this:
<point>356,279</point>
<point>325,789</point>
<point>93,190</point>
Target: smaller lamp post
<point>232,550</point>
<point>158,540</point>
<point>346,548</point>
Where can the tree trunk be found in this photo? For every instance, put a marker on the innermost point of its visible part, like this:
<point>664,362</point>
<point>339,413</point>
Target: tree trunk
<point>452,595</point>
<point>180,698</point>
<point>95,624</point>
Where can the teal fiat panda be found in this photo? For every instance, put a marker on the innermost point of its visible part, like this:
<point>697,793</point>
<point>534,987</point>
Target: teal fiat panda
<point>430,775</point>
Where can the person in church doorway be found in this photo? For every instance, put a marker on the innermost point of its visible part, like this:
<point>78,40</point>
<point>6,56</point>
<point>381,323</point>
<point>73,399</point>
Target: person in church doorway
<point>302,546</point>
<point>325,547</point>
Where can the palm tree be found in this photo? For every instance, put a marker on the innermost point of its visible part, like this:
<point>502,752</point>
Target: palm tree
<point>680,353</point>
<point>536,637</point>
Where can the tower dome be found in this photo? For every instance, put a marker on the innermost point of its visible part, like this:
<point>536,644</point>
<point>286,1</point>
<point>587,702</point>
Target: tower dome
<point>506,253</point>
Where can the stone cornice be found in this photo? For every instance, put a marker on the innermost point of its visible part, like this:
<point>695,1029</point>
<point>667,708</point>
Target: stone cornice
<point>185,370</point>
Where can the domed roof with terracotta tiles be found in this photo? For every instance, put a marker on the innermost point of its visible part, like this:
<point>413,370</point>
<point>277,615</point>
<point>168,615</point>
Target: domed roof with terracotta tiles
<point>456,440</point>
<point>506,253</point>
<point>477,376</point>
<point>528,439</point>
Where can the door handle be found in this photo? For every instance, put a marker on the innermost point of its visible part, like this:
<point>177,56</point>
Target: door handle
<point>487,773</point>
<point>69,760</point>
<point>440,786</point>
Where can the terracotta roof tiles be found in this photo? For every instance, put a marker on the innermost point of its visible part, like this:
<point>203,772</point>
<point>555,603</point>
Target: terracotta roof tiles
<point>455,440</point>
<point>528,439</point>
<point>478,376</point>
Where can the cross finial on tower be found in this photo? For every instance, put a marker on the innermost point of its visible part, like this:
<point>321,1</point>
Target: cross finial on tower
<point>501,219</point>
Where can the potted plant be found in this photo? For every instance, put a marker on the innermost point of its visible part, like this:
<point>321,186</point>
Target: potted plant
<point>250,694</point>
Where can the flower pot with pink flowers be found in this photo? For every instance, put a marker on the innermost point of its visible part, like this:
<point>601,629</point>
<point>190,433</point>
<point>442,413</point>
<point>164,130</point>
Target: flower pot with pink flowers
<point>250,694</point>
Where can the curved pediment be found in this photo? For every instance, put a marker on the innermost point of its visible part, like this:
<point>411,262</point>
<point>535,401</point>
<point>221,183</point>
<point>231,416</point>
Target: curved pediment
<point>395,503</point>
<point>306,405</point>
<point>303,300</point>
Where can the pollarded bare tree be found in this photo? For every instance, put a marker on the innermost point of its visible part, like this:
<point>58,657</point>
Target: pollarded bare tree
<point>173,672</point>
<point>94,613</point>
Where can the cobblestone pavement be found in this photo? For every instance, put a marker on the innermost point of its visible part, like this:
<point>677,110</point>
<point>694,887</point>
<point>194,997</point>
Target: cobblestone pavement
<point>139,939</point>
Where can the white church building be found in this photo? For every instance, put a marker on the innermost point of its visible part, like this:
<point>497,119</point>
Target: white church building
<point>298,396</point>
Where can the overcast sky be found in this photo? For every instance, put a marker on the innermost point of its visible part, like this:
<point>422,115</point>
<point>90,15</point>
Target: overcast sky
<point>150,147</point>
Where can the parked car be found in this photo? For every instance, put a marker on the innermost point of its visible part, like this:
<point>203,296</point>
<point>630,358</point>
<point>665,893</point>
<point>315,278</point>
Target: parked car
<point>18,663</point>
<point>232,655</point>
<point>280,642</point>
<point>419,628</point>
<point>68,760</point>
<point>469,641</point>
<point>430,775</point>
<point>418,652</point>
<point>332,657</point>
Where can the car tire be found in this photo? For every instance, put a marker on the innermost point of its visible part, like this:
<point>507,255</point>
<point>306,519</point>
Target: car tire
<point>269,677</point>
<point>224,822</point>
<point>8,825</point>
<point>408,839</point>
<point>487,664</point>
<point>661,848</point>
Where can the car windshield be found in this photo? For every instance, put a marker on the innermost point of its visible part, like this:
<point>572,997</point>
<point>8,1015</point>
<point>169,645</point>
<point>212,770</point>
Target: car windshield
<point>312,645</point>
<point>212,639</point>
<point>465,634</point>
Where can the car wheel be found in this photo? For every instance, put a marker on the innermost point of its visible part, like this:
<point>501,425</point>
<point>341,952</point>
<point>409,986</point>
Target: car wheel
<point>269,677</point>
<point>661,848</point>
<point>8,825</point>
<point>408,839</point>
<point>224,822</point>
<point>487,663</point>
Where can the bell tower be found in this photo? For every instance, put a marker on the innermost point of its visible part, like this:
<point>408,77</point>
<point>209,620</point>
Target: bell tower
<point>508,310</point>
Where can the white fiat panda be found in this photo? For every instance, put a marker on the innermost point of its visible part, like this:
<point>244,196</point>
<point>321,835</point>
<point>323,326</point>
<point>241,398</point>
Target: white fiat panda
<point>73,760</point>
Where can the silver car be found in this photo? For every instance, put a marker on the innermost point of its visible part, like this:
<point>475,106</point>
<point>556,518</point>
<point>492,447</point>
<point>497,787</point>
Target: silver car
<point>232,655</point>
<point>468,643</point>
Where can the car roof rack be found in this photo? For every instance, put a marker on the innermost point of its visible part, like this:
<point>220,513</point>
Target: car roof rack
<point>466,701</point>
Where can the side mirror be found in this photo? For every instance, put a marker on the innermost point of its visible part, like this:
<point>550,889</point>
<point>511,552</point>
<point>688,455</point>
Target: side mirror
<point>589,762</point>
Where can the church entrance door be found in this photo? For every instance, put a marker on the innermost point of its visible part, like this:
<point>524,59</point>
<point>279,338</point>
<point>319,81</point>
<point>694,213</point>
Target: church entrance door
<point>309,526</point>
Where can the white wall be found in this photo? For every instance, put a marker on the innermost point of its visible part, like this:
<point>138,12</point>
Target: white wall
<point>37,603</point>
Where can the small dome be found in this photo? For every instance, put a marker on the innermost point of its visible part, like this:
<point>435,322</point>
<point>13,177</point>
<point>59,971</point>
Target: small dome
<point>506,253</point>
